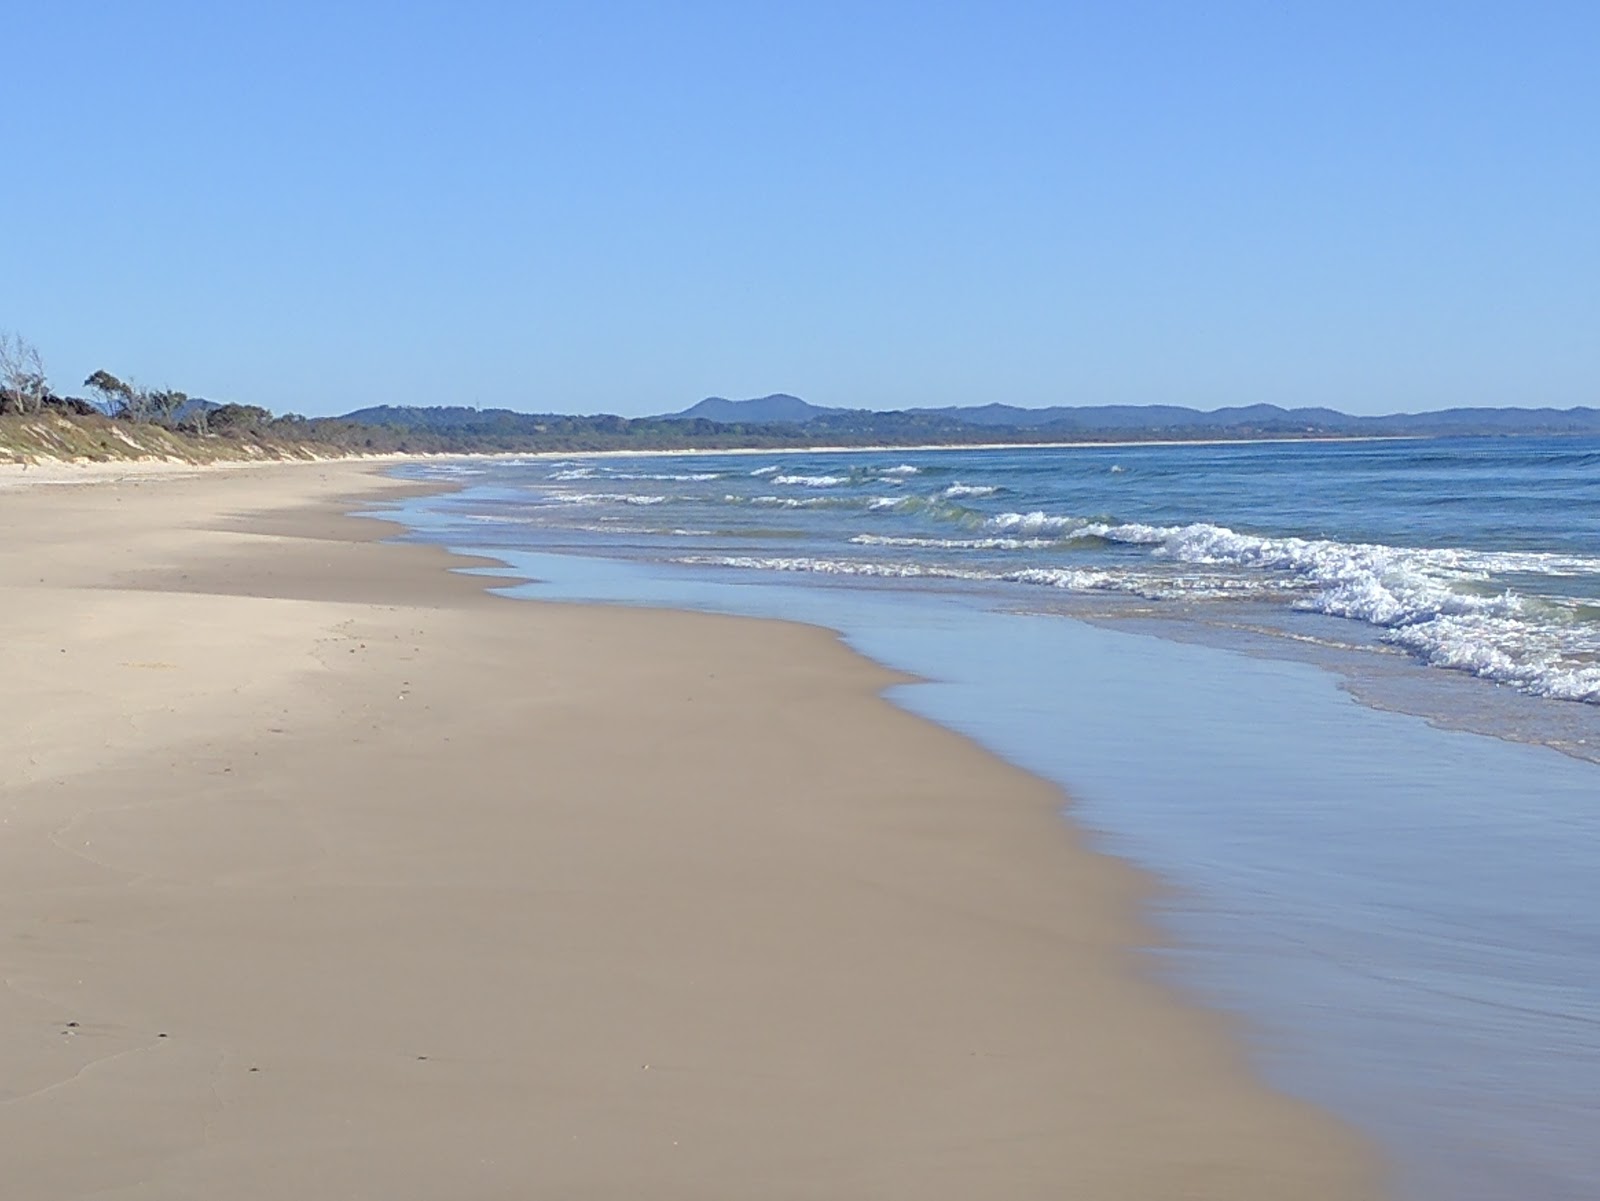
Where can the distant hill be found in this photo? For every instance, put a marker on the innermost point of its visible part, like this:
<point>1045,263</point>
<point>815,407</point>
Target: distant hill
<point>782,420</point>
<point>1487,421</point>
<point>765,410</point>
<point>1143,421</point>
<point>436,417</point>
<point>1128,417</point>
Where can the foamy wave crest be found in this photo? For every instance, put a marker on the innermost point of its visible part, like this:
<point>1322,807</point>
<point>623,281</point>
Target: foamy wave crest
<point>903,469</point>
<point>696,477</point>
<point>1322,559</point>
<point>859,567</point>
<point>1440,604</point>
<point>959,489</point>
<point>771,469</point>
<point>1071,579</point>
<point>1037,520</point>
<point>790,502</point>
<point>811,481</point>
<point>604,498</point>
<point>954,543</point>
<point>580,498</point>
<point>574,473</point>
<point>1443,605</point>
<point>1079,527</point>
<point>1507,652</point>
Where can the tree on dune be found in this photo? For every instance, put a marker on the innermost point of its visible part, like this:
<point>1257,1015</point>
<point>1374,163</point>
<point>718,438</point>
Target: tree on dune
<point>116,397</point>
<point>163,404</point>
<point>23,387</point>
<point>238,418</point>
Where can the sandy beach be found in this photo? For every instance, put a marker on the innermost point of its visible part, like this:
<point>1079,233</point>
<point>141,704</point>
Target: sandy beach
<point>324,873</point>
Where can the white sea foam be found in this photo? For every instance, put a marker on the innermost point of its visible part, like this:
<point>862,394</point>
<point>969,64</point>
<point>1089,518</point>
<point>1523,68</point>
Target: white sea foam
<point>1329,560</point>
<point>1149,586</point>
<point>580,498</point>
<point>1508,652</point>
<point>903,469</point>
<point>789,502</point>
<point>695,477</point>
<point>770,469</point>
<point>831,566</point>
<point>1441,604</point>
<point>574,473</point>
<point>959,489</point>
<point>1079,527</point>
<point>1037,520</point>
<point>811,481</point>
<point>604,498</point>
<point>954,543</point>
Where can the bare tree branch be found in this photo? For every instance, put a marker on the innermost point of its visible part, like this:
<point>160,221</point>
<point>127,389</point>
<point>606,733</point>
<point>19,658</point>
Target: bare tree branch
<point>23,387</point>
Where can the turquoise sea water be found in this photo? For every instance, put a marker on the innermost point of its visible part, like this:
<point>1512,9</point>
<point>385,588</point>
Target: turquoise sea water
<point>1342,698</point>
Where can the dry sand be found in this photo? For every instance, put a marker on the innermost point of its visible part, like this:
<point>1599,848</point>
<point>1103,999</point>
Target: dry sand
<point>325,874</point>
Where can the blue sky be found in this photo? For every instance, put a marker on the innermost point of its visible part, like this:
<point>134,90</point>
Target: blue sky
<point>627,207</point>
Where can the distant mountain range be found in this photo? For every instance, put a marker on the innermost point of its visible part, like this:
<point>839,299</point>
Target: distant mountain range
<point>1157,420</point>
<point>782,420</point>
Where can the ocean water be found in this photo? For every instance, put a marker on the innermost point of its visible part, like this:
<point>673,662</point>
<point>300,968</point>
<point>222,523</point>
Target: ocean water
<point>1342,698</point>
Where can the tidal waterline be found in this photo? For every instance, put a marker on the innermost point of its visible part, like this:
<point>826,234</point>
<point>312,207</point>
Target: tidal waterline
<point>1404,914</point>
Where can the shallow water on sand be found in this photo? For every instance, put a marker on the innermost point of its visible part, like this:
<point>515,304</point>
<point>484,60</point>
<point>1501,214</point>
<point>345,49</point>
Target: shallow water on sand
<point>1405,915</point>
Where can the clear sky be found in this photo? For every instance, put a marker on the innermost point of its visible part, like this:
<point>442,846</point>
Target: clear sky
<point>626,207</point>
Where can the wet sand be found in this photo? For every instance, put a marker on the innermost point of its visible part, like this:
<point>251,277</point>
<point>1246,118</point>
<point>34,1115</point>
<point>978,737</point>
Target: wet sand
<point>323,873</point>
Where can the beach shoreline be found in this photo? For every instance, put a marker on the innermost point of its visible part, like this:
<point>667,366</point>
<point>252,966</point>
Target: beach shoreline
<point>60,471</point>
<point>329,873</point>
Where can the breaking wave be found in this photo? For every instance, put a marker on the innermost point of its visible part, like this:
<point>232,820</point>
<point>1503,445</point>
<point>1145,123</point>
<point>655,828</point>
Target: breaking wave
<point>1150,586</point>
<point>812,481</point>
<point>1442,605</point>
<point>1526,618</point>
